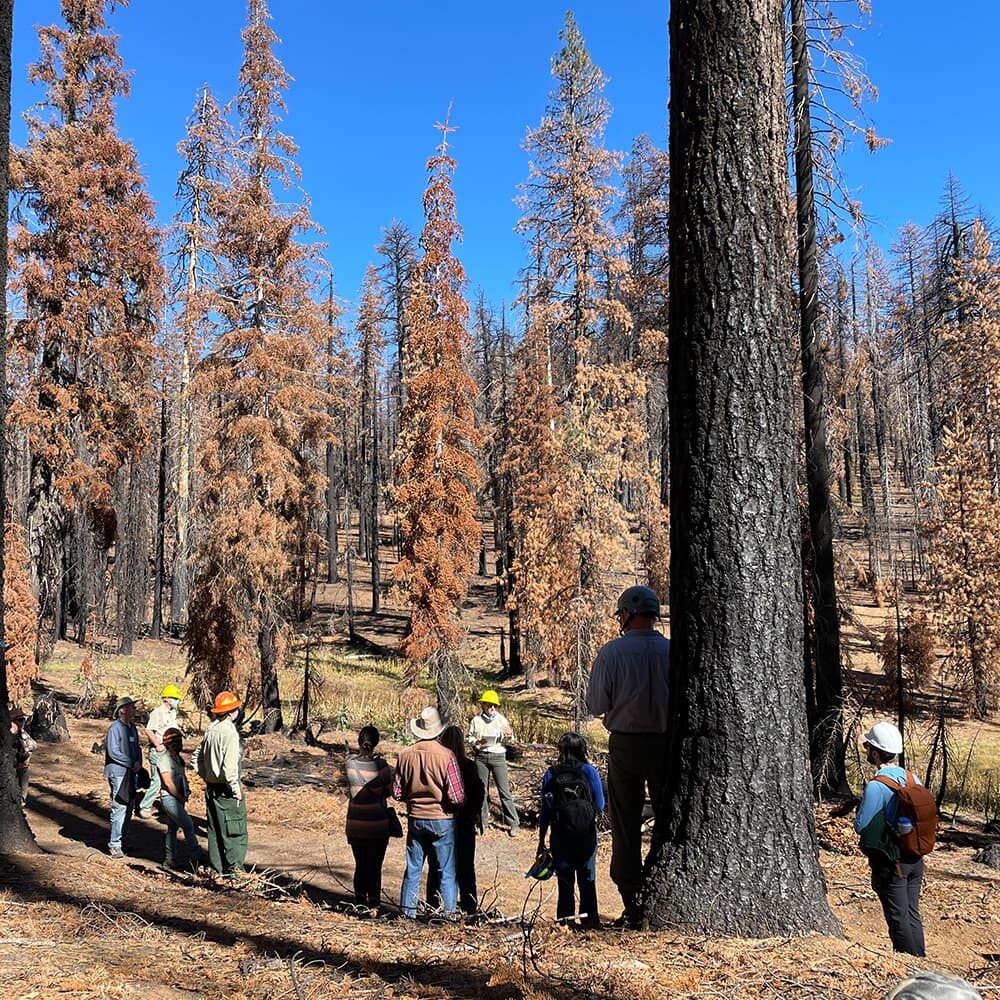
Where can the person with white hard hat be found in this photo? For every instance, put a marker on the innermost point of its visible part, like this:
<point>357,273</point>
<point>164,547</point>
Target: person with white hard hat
<point>895,881</point>
<point>932,986</point>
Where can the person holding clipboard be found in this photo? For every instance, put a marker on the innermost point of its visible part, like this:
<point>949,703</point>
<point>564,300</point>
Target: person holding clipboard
<point>488,733</point>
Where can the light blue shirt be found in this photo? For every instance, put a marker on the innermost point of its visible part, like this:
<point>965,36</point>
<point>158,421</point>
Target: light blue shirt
<point>880,798</point>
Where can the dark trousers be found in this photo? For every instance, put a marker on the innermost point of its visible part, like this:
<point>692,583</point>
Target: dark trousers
<point>227,829</point>
<point>898,889</point>
<point>465,869</point>
<point>635,761</point>
<point>494,765</point>
<point>577,868</point>
<point>368,858</point>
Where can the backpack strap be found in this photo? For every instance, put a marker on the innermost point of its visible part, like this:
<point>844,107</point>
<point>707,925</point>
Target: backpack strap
<point>884,779</point>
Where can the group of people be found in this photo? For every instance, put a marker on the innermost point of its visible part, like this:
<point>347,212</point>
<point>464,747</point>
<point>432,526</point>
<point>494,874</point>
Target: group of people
<point>444,791</point>
<point>133,789</point>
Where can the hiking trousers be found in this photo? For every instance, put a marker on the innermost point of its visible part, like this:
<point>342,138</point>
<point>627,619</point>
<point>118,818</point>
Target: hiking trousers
<point>636,761</point>
<point>153,792</point>
<point>897,886</point>
<point>576,866</point>
<point>227,829</point>
<point>495,765</point>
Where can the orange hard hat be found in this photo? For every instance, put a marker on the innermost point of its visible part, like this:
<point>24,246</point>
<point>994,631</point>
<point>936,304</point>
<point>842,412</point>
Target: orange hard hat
<point>225,702</point>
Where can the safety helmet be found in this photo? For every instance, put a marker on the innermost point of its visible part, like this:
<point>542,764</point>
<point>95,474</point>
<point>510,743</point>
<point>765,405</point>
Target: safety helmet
<point>171,691</point>
<point>884,736</point>
<point>639,601</point>
<point>490,698</point>
<point>543,868</point>
<point>932,986</point>
<point>225,702</point>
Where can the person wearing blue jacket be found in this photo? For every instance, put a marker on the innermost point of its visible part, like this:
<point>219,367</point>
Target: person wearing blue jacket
<point>572,796</point>
<point>122,761</point>
<point>896,882</point>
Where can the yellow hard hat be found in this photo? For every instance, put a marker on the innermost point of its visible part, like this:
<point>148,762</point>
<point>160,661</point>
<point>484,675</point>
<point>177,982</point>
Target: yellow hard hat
<point>171,691</point>
<point>490,698</point>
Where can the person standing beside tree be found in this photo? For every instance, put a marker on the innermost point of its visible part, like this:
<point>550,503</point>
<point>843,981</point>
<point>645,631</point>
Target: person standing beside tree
<point>162,718</point>
<point>24,746</point>
<point>487,732</point>
<point>122,761</point>
<point>895,878</point>
<point>629,688</point>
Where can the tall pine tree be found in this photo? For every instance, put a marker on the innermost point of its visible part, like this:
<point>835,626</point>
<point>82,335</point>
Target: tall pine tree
<point>437,474</point>
<point>263,384</point>
<point>88,281</point>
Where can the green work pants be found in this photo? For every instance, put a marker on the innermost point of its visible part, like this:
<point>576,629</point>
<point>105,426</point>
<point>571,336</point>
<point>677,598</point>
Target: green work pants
<point>635,761</point>
<point>494,765</point>
<point>227,829</point>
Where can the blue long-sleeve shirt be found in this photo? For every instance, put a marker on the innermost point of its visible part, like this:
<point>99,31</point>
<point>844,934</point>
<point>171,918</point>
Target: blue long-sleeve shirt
<point>878,798</point>
<point>596,788</point>
<point>121,749</point>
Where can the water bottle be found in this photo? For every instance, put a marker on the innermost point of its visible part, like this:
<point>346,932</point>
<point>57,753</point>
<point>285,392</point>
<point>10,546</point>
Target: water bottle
<point>904,826</point>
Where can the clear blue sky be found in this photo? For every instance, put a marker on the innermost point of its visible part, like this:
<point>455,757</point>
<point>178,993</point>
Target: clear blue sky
<point>371,79</point>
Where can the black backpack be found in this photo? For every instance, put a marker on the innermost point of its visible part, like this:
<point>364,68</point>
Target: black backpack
<point>572,801</point>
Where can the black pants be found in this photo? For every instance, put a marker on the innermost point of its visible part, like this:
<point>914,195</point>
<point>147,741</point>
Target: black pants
<point>636,761</point>
<point>898,889</point>
<point>576,865</point>
<point>465,869</point>
<point>368,858</point>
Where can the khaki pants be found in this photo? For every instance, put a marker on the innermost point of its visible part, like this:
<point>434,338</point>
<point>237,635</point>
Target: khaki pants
<point>227,829</point>
<point>636,761</point>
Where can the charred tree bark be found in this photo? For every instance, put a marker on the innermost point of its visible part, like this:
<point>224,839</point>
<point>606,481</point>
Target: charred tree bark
<point>738,771</point>
<point>827,735</point>
<point>161,516</point>
<point>267,646</point>
<point>15,834</point>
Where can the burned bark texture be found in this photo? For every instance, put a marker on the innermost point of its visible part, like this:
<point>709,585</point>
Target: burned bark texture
<point>734,848</point>
<point>14,832</point>
<point>827,734</point>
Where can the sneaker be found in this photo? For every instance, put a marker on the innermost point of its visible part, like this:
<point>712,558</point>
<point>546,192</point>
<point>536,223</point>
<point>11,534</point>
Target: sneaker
<point>116,852</point>
<point>512,832</point>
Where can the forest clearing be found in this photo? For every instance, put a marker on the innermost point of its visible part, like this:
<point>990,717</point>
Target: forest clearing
<point>603,518</point>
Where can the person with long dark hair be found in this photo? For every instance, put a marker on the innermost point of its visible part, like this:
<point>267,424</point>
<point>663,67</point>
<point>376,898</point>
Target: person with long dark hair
<point>370,780</point>
<point>572,796</point>
<point>468,822</point>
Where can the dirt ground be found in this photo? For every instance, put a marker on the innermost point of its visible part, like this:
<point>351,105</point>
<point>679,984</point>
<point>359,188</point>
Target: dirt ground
<point>75,923</point>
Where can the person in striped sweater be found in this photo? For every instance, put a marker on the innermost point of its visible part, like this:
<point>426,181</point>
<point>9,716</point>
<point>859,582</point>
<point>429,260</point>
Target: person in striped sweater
<point>370,780</point>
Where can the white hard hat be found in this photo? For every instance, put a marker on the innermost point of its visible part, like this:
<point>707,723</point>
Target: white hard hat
<point>884,736</point>
<point>931,986</point>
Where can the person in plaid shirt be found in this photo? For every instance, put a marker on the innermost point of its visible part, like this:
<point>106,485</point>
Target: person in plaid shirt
<point>428,780</point>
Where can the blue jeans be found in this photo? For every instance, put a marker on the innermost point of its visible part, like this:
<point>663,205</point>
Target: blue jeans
<point>121,816</point>
<point>435,840</point>
<point>177,818</point>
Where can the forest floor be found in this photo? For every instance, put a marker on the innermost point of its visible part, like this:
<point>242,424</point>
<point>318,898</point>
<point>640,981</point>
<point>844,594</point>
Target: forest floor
<point>75,923</point>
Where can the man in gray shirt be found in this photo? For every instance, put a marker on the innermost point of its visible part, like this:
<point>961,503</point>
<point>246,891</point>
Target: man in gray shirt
<point>629,687</point>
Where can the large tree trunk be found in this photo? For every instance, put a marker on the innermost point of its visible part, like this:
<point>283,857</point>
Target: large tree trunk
<point>827,735</point>
<point>14,832</point>
<point>734,849</point>
<point>161,515</point>
<point>267,646</point>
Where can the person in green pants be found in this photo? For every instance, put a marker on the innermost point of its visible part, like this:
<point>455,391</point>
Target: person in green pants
<point>489,732</point>
<point>218,763</point>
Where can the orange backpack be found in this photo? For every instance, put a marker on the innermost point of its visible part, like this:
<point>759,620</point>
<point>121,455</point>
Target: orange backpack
<point>916,804</point>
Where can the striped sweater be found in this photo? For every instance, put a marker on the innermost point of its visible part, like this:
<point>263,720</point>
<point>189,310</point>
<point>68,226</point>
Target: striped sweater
<point>370,779</point>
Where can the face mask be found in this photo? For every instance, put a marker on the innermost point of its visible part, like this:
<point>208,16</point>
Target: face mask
<point>174,702</point>
<point>489,712</point>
